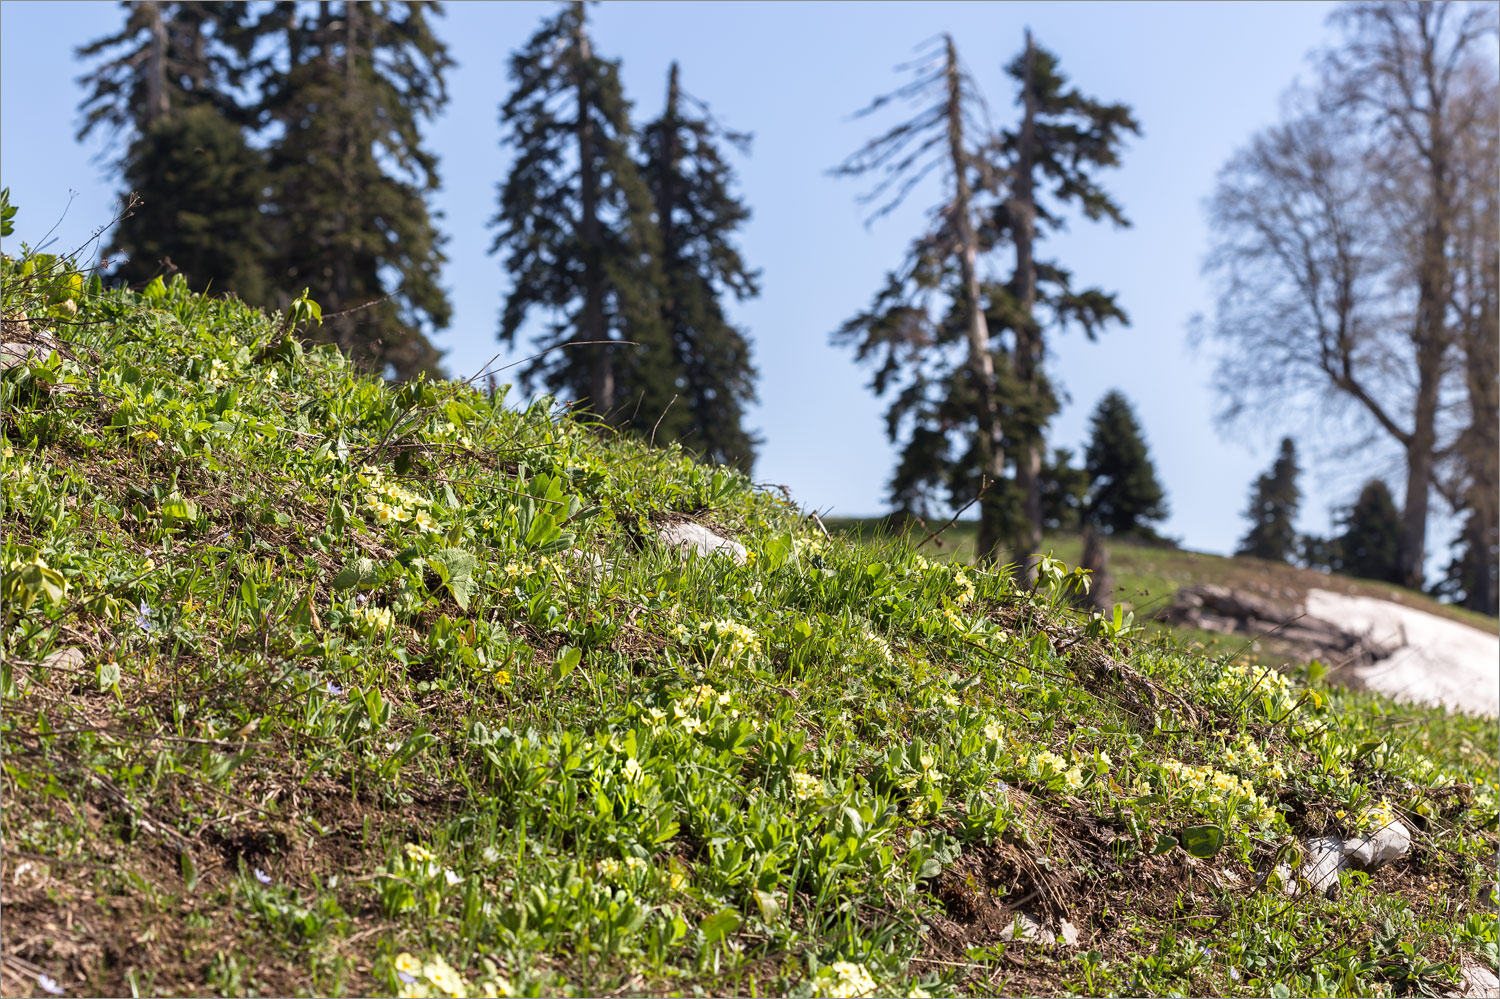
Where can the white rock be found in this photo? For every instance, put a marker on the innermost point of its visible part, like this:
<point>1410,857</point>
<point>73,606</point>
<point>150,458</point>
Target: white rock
<point>1028,929</point>
<point>1390,842</point>
<point>1068,932</point>
<point>693,537</point>
<point>1478,979</point>
<point>1322,859</point>
<point>584,560</point>
<point>68,658</point>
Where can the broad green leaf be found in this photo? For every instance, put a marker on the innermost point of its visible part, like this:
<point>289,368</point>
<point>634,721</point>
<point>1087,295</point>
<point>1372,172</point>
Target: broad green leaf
<point>719,925</point>
<point>456,567</point>
<point>359,572</point>
<point>1202,841</point>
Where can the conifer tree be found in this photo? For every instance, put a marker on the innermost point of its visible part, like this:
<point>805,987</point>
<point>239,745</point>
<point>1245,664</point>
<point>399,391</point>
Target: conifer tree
<point>1063,139</point>
<point>350,176</point>
<point>1370,544</point>
<point>968,426</point>
<point>575,225</point>
<point>697,214</point>
<point>1124,494</point>
<point>1065,490</point>
<point>165,87</point>
<point>1273,509</point>
<point>927,327</point>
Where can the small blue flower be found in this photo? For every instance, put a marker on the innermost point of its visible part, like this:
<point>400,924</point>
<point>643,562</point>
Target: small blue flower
<point>143,616</point>
<point>1234,973</point>
<point>49,985</point>
<point>407,979</point>
<point>262,876</point>
<point>334,688</point>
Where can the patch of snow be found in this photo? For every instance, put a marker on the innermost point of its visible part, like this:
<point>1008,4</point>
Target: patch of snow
<point>1440,661</point>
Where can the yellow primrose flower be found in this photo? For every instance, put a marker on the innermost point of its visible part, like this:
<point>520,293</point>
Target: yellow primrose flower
<point>426,521</point>
<point>805,785</point>
<point>406,964</point>
<point>633,772</point>
<point>417,853</point>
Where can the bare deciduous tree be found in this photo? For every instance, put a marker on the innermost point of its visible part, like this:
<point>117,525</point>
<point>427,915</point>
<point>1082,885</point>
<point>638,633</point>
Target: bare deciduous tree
<point>1336,237</point>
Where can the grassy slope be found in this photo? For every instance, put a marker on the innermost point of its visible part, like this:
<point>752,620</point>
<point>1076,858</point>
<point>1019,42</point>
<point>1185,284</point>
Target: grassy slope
<point>1146,575</point>
<point>309,687</point>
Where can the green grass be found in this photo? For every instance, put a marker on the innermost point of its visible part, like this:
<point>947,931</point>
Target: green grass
<point>313,685</point>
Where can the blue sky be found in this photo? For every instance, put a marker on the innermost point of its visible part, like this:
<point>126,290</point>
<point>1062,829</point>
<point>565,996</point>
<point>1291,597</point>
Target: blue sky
<point>1201,79</point>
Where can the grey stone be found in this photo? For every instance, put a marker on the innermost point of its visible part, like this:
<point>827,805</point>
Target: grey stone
<point>1028,929</point>
<point>690,537</point>
<point>1322,859</point>
<point>1477,979</point>
<point>1391,841</point>
<point>1068,932</point>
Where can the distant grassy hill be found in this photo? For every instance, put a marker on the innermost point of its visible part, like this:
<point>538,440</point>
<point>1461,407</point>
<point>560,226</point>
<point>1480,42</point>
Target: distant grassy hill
<point>315,685</point>
<point>1148,575</point>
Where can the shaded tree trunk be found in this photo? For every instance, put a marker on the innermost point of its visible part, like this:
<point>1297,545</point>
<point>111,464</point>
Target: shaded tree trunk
<point>1028,334</point>
<point>592,326</point>
<point>981,363</point>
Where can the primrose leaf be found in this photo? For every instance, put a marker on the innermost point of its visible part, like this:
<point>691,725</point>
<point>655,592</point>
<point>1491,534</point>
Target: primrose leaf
<point>567,660</point>
<point>1202,841</point>
<point>109,674</point>
<point>359,572</point>
<point>1164,843</point>
<point>719,925</point>
<point>456,567</point>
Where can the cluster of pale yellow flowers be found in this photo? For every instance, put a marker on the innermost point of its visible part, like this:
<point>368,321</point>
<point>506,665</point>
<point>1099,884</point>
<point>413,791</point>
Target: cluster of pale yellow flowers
<point>389,503</point>
<point>611,869</point>
<point>1219,789</point>
<point>731,637</point>
<point>805,785</point>
<point>843,980</point>
<point>374,620</point>
<point>436,977</point>
<point>1243,680</point>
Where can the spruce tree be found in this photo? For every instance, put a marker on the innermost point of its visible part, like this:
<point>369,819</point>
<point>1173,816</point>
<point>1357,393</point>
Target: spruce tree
<point>576,228</point>
<point>1062,140</point>
<point>1370,544</point>
<point>1065,490</point>
<point>1124,494</point>
<point>165,87</point>
<point>976,427</point>
<point>1273,509</point>
<point>927,329</point>
<point>697,214</point>
<point>1471,577</point>
<point>350,177</point>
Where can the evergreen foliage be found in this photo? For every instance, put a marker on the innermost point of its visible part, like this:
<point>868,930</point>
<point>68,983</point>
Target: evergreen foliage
<point>575,225</point>
<point>1124,495</point>
<point>350,176</point>
<point>1063,139</point>
<point>964,354</point>
<point>1369,546</point>
<point>697,214</point>
<point>1471,576</point>
<point>200,186</point>
<point>1273,510</point>
<point>926,330</point>
<point>337,203</point>
<point>165,88</point>
<point>1065,491</point>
